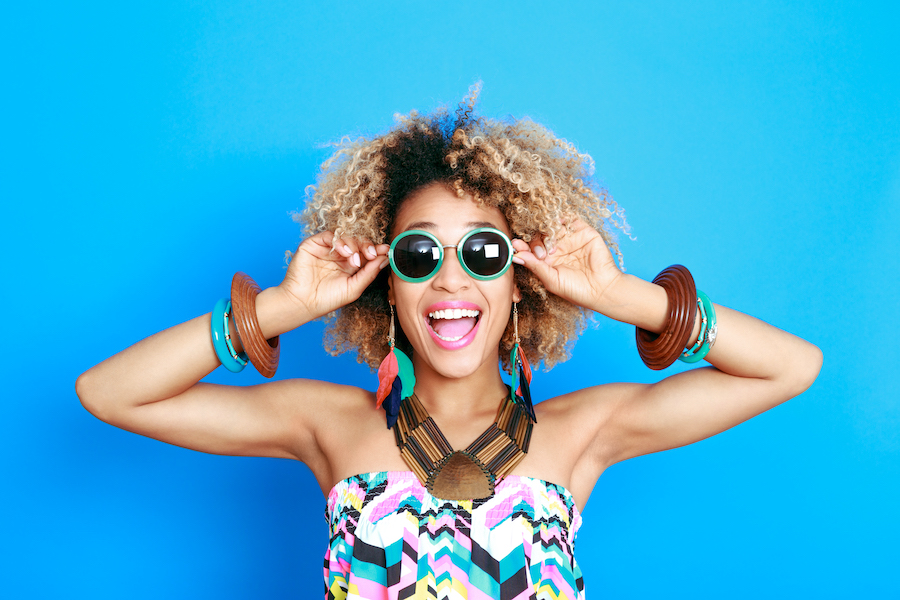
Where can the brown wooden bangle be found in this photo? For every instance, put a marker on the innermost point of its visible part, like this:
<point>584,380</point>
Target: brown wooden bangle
<point>658,351</point>
<point>263,354</point>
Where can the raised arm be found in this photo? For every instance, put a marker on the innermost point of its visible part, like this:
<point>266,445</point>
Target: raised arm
<point>152,388</point>
<point>756,366</point>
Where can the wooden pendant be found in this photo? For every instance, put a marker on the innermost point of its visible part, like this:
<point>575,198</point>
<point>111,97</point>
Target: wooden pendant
<point>460,476</point>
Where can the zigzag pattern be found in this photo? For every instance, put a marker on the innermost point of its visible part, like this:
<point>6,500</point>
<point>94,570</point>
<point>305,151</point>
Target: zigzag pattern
<point>391,539</point>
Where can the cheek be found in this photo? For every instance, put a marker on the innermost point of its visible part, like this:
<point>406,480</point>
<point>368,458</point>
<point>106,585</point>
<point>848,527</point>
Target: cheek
<point>405,301</point>
<point>391,289</point>
<point>512,290</point>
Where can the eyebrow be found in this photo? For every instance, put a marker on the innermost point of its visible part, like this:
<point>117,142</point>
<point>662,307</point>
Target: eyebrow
<point>429,226</point>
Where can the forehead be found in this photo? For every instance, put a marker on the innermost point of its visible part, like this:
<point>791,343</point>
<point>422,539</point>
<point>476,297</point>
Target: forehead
<point>437,208</point>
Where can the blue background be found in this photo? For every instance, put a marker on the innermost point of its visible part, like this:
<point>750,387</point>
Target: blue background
<point>150,150</point>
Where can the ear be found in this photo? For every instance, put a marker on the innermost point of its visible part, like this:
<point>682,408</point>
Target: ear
<point>517,295</point>
<point>390,288</point>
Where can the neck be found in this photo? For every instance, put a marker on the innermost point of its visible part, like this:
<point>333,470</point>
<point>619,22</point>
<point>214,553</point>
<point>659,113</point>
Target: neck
<point>459,397</point>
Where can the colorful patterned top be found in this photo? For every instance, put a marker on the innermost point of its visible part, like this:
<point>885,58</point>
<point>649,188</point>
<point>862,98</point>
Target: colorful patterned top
<point>391,539</point>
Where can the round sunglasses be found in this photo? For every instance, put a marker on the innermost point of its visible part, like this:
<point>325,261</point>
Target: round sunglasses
<point>485,253</point>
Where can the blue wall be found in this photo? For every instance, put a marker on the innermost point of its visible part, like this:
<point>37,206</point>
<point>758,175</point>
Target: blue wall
<point>150,151</point>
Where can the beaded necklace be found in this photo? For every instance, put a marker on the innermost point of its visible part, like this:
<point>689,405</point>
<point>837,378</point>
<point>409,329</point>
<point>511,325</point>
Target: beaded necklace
<point>462,474</point>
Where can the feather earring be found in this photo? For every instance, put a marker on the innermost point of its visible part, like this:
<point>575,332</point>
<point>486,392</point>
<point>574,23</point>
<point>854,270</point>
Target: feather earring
<point>396,379</point>
<point>521,371</point>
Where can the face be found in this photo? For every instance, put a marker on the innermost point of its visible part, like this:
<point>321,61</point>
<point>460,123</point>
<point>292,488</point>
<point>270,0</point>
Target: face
<point>453,320</point>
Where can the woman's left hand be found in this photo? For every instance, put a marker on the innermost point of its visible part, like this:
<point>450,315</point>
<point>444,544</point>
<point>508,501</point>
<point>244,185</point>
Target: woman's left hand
<point>580,268</point>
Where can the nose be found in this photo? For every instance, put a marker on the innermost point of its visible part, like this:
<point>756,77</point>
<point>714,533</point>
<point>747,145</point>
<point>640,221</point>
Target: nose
<point>451,277</point>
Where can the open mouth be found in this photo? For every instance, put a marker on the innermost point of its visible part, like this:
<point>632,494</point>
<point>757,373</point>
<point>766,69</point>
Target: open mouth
<point>453,324</point>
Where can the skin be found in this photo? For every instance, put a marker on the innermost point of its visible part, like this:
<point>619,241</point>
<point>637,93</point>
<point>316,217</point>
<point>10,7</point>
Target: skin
<point>153,388</point>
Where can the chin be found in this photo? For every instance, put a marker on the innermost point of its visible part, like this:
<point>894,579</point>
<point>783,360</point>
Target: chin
<point>458,365</point>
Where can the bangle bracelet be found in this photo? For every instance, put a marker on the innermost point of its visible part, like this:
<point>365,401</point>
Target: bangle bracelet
<point>242,357</point>
<point>688,352</point>
<point>261,352</point>
<point>658,351</point>
<point>707,335</point>
<point>218,325</point>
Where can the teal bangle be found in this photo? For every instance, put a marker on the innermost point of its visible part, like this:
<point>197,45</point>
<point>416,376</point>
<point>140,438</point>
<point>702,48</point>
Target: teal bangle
<point>703,323</point>
<point>218,326</point>
<point>242,357</point>
<point>707,334</point>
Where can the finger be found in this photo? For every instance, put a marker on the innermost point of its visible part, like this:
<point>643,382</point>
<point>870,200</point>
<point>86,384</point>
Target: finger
<point>520,245</point>
<point>341,248</point>
<point>323,238</point>
<point>348,248</point>
<point>381,252</point>
<point>318,246</point>
<point>362,245</point>
<point>539,267</point>
<point>366,275</point>
<point>537,248</point>
<point>369,250</point>
<point>377,254</point>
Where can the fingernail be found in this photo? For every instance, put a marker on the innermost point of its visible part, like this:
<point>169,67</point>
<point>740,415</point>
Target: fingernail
<point>347,249</point>
<point>518,260</point>
<point>355,259</point>
<point>540,252</point>
<point>371,251</point>
<point>385,263</point>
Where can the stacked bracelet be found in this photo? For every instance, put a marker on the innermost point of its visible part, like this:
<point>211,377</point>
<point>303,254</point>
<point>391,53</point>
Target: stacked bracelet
<point>221,338</point>
<point>263,353</point>
<point>658,351</point>
<point>708,331</point>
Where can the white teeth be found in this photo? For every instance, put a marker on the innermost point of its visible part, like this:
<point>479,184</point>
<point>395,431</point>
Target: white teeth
<point>453,313</point>
<point>449,339</point>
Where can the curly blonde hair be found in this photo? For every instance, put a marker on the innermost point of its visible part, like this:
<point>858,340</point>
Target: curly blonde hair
<point>537,180</point>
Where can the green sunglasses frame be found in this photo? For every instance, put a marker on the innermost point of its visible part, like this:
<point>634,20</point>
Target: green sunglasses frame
<point>459,256</point>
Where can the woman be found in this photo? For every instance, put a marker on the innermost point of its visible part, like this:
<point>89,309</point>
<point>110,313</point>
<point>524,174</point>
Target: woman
<point>498,247</point>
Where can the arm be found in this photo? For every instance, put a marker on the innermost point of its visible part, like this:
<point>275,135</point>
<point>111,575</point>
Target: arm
<point>153,388</point>
<point>757,366</point>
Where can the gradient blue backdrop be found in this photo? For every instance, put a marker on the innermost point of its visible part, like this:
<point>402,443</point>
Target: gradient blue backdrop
<point>151,149</point>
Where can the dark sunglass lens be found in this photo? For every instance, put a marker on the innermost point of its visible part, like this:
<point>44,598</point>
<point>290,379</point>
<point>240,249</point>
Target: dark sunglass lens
<point>485,253</point>
<point>416,256</point>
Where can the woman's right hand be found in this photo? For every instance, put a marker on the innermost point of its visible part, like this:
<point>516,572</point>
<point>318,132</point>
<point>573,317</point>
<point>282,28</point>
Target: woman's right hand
<point>327,273</point>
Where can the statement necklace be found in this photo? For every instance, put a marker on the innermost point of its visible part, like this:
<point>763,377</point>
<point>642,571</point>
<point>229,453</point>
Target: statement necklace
<point>468,474</point>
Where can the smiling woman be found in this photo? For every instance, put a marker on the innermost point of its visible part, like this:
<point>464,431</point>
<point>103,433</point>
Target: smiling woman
<point>499,246</point>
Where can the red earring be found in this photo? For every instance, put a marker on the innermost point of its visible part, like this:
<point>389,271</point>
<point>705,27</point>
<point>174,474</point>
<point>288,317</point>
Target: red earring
<point>396,378</point>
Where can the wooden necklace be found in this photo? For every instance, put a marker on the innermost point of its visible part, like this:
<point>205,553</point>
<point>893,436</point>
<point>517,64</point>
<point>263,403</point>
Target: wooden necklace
<point>468,474</point>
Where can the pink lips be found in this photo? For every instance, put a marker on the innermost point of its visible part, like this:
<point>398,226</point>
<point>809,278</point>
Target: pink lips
<point>455,344</point>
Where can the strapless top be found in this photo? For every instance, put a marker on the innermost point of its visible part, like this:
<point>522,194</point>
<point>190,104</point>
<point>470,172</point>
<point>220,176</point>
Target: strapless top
<point>391,539</point>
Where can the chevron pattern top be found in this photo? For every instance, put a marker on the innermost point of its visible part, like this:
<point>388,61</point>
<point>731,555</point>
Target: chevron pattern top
<point>391,539</point>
